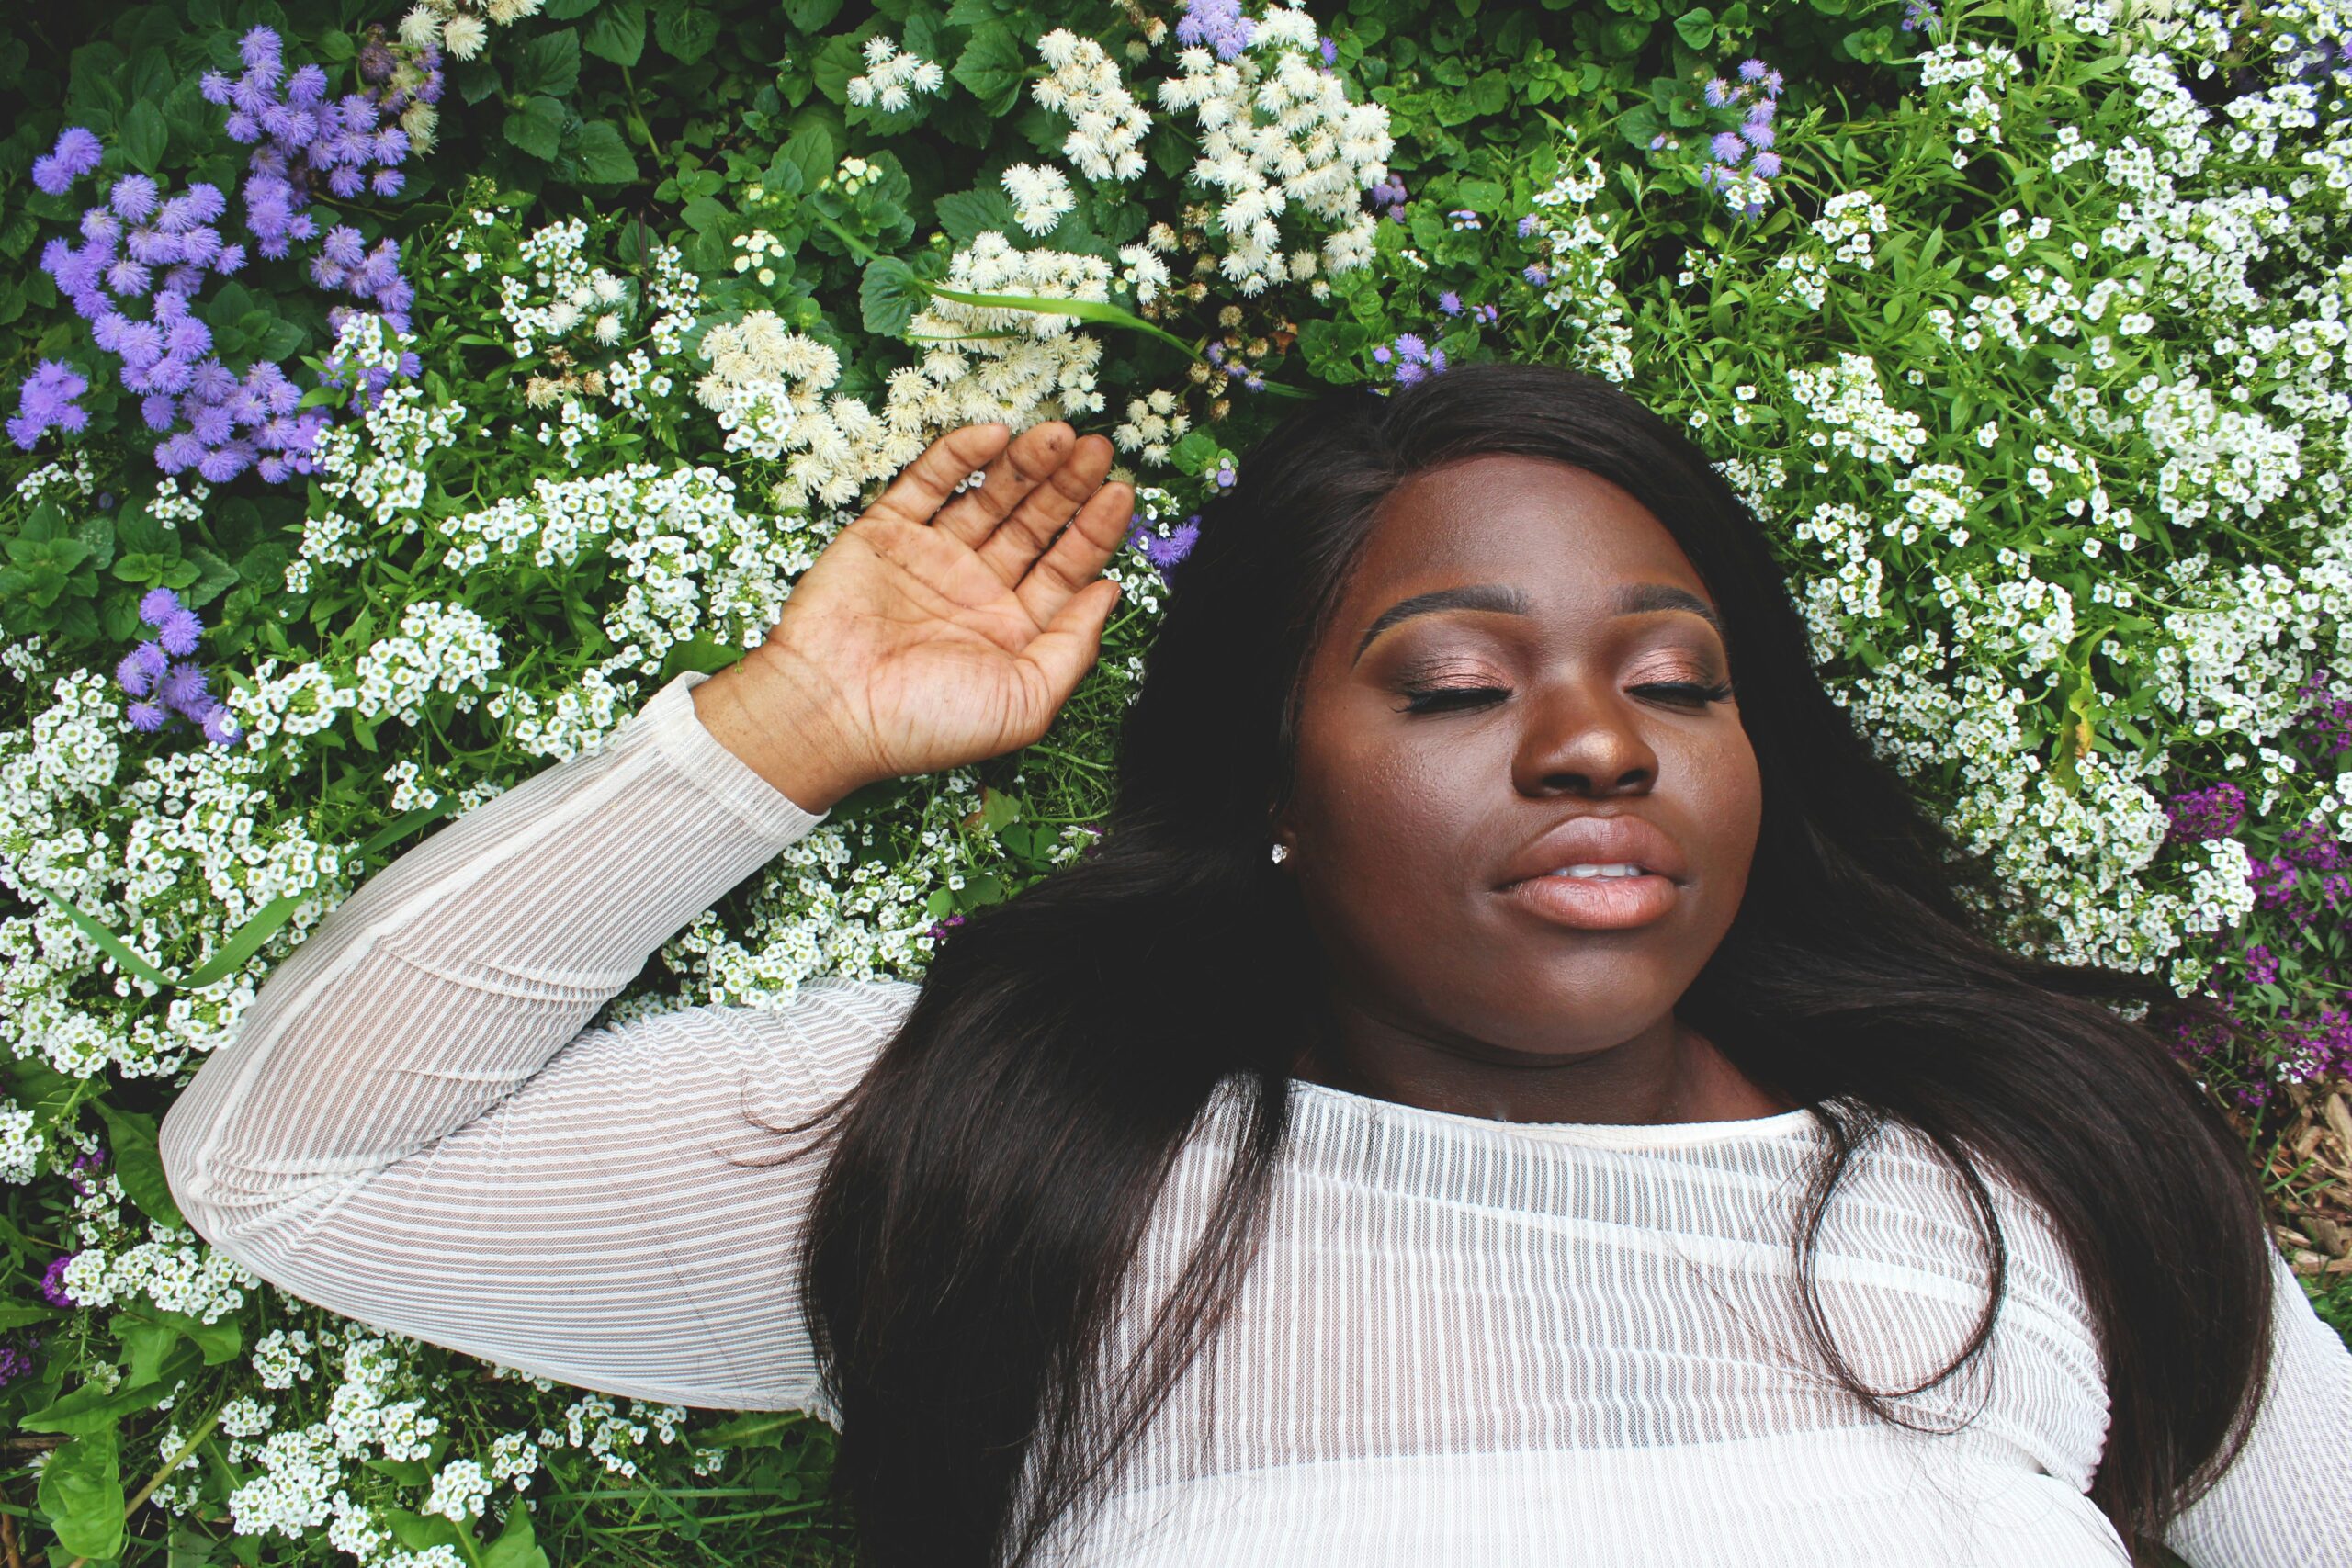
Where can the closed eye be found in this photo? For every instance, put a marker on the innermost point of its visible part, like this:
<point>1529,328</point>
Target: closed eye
<point>1453,699</point>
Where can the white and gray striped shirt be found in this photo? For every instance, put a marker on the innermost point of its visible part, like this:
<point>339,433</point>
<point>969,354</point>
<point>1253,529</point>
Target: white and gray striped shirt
<point>1466,1342</point>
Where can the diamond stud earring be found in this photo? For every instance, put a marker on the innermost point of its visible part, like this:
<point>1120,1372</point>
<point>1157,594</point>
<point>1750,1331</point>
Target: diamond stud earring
<point>1281,853</point>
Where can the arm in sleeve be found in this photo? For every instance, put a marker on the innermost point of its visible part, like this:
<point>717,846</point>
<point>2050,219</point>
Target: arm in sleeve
<point>2281,1504</point>
<point>411,1128</point>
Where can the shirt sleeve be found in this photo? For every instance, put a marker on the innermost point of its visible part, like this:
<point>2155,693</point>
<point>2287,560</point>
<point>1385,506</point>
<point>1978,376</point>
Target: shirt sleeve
<point>2280,1505</point>
<point>414,1128</point>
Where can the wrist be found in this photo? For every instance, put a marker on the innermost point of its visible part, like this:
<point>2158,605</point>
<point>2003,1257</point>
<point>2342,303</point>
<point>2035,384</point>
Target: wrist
<point>769,712</point>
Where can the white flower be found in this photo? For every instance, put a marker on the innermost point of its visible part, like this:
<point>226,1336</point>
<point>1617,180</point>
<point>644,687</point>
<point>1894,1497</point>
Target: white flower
<point>609,329</point>
<point>1040,195</point>
<point>464,36</point>
<point>420,27</point>
<point>892,77</point>
<point>1085,87</point>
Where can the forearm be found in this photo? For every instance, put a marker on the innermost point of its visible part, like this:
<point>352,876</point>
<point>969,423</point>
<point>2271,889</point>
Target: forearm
<point>458,971</point>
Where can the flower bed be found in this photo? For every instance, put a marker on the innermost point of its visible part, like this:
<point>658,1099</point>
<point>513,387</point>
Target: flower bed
<point>389,412</point>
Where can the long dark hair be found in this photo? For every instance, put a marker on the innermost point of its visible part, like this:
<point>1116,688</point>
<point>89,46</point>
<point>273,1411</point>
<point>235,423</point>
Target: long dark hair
<point>991,1178</point>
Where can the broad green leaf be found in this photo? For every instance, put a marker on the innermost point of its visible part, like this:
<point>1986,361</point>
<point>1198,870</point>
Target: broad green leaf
<point>147,1341</point>
<point>617,32</point>
<point>810,16</point>
<point>136,1163</point>
<point>144,136</point>
<point>81,1491</point>
<point>537,127</point>
<point>969,212</point>
<point>17,1314</point>
<point>515,1546</point>
<point>991,68</point>
<point>213,577</point>
<point>91,1409</point>
<point>888,296</point>
<point>1696,26</point>
<point>604,157</point>
<point>548,64</point>
<point>685,32</point>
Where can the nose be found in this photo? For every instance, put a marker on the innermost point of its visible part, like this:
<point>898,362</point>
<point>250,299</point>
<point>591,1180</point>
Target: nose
<point>1583,738</point>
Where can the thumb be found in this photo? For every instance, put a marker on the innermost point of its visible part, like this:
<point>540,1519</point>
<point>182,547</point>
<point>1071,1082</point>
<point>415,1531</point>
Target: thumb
<point>1067,649</point>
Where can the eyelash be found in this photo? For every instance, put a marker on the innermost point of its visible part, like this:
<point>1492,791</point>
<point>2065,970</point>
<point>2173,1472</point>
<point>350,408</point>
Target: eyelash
<point>1434,699</point>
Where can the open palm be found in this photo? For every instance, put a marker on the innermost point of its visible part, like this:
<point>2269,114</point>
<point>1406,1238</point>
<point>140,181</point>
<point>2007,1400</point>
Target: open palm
<point>944,627</point>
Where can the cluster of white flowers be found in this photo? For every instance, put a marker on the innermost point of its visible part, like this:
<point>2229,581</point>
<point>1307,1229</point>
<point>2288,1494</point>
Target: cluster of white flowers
<point>892,78</point>
<point>1987,71</point>
<point>1581,291</point>
<point>1849,407</point>
<point>173,855</point>
<point>461,27</point>
<point>1848,222</point>
<point>1040,194</point>
<point>1278,133</point>
<point>564,293</point>
<point>441,648</point>
<point>1107,125</point>
<point>1154,422</point>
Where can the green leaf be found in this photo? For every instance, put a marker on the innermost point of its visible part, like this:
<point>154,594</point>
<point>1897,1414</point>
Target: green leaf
<point>604,157</point>
<point>143,136</point>
<point>686,32</point>
<point>515,1546</point>
<point>91,1408</point>
<point>969,212</point>
<point>813,152</point>
<point>991,68</point>
<point>537,127</point>
<point>113,946</point>
<point>243,943</point>
<point>214,575</point>
<point>888,296</point>
<point>809,15</point>
<point>147,1341</point>
<point>1696,26</point>
<point>566,10</point>
<point>550,63</point>
<point>81,1491</point>
<point>137,1164</point>
<point>17,1314</point>
<point>617,32</point>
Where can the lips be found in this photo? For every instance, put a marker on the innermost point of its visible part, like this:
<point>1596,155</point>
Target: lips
<point>1591,840</point>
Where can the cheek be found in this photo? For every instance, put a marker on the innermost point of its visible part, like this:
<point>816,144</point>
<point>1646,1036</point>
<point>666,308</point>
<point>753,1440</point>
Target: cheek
<point>1378,822</point>
<point>1727,807</point>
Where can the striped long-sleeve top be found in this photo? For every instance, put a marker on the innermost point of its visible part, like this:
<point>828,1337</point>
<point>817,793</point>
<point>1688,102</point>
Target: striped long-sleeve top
<point>1464,1341</point>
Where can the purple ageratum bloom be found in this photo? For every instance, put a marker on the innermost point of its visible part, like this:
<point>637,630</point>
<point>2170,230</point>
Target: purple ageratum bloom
<point>178,631</point>
<point>156,604</point>
<point>77,153</point>
<point>1329,48</point>
<point>1917,14</point>
<point>46,402</point>
<point>1751,70</point>
<point>147,718</point>
<point>1766,164</point>
<point>1411,349</point>
<point>132,198</point>
<point>1727,147</point>
<point>1165,553</point>
<point>133,673</point>
<point>1218,24</point>
<point>1718,92</point>
<point>1757,133</point>
<point>184,689</point>
<point>1537,273</point>
<point>1449,302</point>
<point>1381,355</point>
<point>219,728</point>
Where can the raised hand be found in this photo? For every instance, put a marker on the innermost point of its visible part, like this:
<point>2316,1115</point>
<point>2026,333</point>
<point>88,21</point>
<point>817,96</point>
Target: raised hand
<point>938,629</point>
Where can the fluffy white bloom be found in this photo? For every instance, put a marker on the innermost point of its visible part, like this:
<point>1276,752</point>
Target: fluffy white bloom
<point>464,36</point>
<point>892,77</point>
<point>1279,137</point>
<point>1107,123</point>
<point>1040,195</point>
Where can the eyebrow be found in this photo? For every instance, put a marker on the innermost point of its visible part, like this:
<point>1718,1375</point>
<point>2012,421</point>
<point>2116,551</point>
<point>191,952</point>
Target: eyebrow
<point>1632,599</point>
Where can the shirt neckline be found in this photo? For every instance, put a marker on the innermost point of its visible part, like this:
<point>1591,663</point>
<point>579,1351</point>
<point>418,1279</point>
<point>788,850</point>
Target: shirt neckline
<point>1784,1124</point>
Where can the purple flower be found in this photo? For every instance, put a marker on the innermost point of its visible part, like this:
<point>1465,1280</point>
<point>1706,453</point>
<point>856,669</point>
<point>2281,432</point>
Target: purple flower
<point>77,152</point>
<point>52,1281</point>
<point>156,604</point>
<point>1757,133</point>
<point>1728,147</point>
<point>1381,355</point>
<point>1449,302</point>
<point>184,689</point>
<point>2200,815</point>
<point>146,718</point>
<point>1537,274</point>
<point>1224,474</point>
<point>178,631</point>
<point>1718,92</point>
<point>1165,553</point>
<point>1527,226</point>
<point>1751,70</point>
<point>132,198</point>
<point>1218,24</point>
<point>1917,14</point>
<point>1329,48</point>
<point>46,402</point>
<point>219,728</point>
<point>1766,165</point>
<point>1411,349</point>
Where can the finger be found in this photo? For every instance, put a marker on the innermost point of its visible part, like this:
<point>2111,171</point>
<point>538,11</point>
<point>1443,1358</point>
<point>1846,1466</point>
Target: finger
<point>1067,649</point>
<point>925,484</point>
<point>1028,462</point>
<point>1021,538</point>
<point>1079,557</point>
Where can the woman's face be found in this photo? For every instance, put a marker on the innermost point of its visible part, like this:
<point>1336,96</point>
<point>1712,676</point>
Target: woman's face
<point>1518,680</point>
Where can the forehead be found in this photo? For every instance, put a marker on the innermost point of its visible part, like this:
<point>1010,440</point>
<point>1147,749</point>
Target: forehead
<point>1557,531</point>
